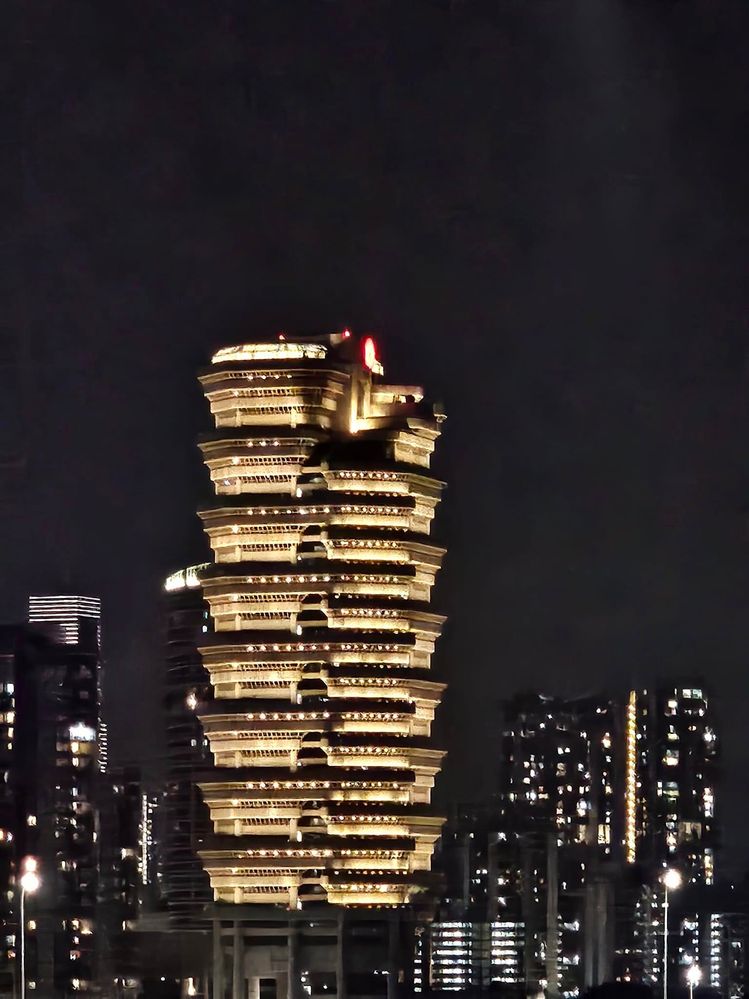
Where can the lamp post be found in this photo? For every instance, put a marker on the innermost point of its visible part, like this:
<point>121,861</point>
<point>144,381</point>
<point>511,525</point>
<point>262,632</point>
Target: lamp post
<point>671,881</point>
<point>694,976</point>
<point>29,882</point>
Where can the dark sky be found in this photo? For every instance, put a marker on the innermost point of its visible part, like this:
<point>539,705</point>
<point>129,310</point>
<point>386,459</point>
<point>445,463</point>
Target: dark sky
<point>541,207</point>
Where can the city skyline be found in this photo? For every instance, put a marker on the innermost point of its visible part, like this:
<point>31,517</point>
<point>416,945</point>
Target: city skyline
<point>534,217</point>
<point>541,217</point>
<point>600,800</point>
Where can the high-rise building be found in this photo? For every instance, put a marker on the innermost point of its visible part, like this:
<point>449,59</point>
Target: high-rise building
<point>186,824</point>
<point>669,793</point>
<point>10,644</point>
<point>622,789</point>
<point>318,655</point>
<point>120,805</point>
<point>670,779</point>
<point>67,611</point>
<point>559,760</point>
<point>49,760</point>
<point>58,724</point>
<point>561,827</point>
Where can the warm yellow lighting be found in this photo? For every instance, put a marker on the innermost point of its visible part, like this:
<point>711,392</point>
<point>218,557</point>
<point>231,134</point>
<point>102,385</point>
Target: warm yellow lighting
<point>312,540</point>
<point>630,786</point>
<point>281,351</point>
<point>185,578</point>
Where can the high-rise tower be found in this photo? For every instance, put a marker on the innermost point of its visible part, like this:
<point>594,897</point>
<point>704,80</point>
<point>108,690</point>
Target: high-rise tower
<point>322,635</point>
<point>49,768</point>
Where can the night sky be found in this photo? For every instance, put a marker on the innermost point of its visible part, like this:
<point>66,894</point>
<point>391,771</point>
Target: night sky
<point>539,207</point>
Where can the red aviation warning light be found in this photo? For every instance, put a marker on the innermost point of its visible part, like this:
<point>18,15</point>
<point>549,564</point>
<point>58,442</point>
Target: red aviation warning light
<point>369,354</point>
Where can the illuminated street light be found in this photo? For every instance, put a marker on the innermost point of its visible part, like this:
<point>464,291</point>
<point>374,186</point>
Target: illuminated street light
<point>694,976</point>
<point>671,882</point>
<point>29,882</point>
<point>672,879</point>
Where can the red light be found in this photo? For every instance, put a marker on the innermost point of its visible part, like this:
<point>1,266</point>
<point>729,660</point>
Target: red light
<point>281,336</point>
<point>369,353</point>
<point>346,334</point>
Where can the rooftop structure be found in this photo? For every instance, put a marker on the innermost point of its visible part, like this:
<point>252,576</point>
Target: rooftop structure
<point>65,610</point>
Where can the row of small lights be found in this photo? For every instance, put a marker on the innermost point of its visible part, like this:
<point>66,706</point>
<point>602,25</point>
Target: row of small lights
<point>337,577</point>
<point>325,785</point>
<point>305,852</point>
<point>279,669</point>
<point>304,511</point>
<point>327,647</point>
<point>317,715</point>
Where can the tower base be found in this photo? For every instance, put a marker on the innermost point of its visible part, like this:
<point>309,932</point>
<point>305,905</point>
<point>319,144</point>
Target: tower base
<point>263,952</point>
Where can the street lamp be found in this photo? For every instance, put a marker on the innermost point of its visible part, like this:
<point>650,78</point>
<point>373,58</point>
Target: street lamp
<point>671,881</point>
<point>694,976</point>
<point>29,882</point>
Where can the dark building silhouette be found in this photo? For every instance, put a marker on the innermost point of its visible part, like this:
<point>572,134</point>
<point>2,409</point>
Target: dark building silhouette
<point>186,820</point>
<point>561,890</point>
<point>50,768</point>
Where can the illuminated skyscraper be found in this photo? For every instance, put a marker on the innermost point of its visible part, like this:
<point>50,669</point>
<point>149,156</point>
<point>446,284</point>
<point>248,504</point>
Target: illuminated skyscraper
<point>670,811</point>
<point>49,725</point>
<point>671,776</point>
<point>70,613</point>
<point>624,787</point>
<point>321,633</point>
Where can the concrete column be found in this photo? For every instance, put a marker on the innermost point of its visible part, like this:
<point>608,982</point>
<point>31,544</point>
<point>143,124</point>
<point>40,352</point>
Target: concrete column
<point>292,966</point>
<point>218,961</point>
<point>605,934</point>
<point>238,990</point>
<point>340,971</point>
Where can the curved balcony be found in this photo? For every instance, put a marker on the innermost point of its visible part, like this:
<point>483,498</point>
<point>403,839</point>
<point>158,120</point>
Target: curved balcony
<point>244,525</point>
<point>244,596</point>
<point>271,398</point>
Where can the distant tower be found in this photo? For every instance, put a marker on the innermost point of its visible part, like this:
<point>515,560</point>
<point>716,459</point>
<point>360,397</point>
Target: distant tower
<point>185,884</point>
<point>67,611</point>
<point>52,668</point>
<point>319,647</point>
<point>671,777</point>
<point>319,597</point>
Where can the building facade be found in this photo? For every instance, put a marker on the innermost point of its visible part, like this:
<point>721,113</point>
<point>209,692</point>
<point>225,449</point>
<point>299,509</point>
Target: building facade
<point>318,653</point>
<point>49,760</point>
<point>186,820</point>
<point>670,781</point>
<point>476,941</point>
<point>598,797</point>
